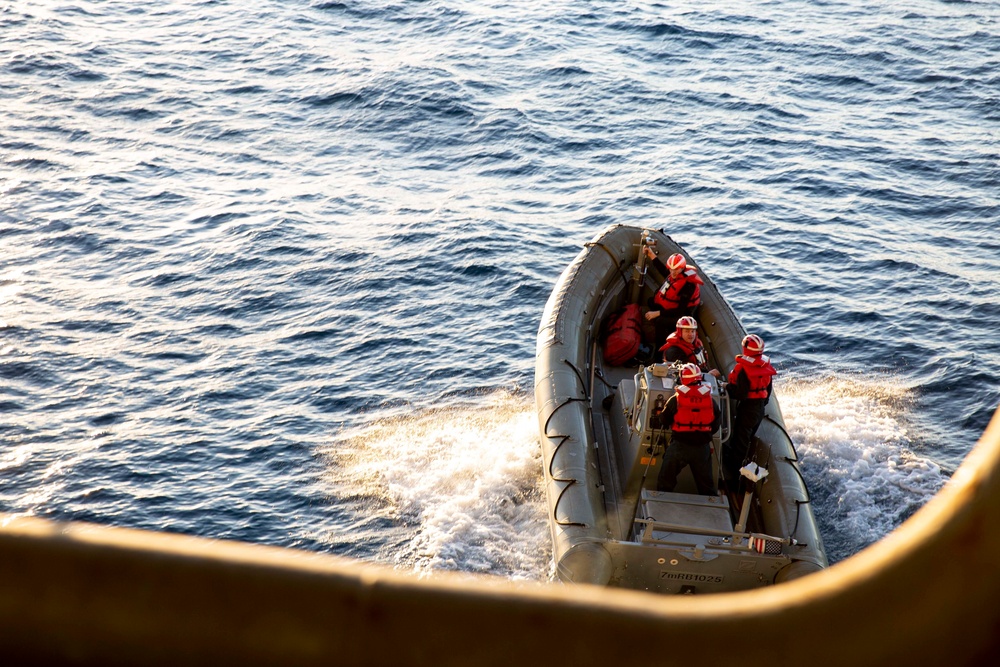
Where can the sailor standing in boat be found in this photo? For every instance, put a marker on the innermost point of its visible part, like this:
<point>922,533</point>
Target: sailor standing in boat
<point>693,417</point>
<point>685,346</point>
<point>679,294</point>
<point>750,383</point>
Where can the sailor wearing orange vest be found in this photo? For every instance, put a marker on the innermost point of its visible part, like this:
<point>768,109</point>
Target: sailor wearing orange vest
<point>684,345</point>
<point>679,294</point>
<point>693,417</point>
<point>750,383</point>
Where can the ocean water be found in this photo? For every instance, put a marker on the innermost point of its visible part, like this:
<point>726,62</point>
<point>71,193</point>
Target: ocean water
<point>273,271</point>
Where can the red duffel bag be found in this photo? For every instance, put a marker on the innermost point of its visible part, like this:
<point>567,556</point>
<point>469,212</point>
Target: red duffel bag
<point>624,336</point>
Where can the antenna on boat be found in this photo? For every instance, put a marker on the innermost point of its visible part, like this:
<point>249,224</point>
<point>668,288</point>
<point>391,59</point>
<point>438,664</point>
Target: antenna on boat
<point>652,451</point>
<point>754,473</point>
<point>639,274</point>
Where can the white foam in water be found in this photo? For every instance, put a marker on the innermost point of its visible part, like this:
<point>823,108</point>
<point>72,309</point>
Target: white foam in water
<point>853,441</point>
<point>468,480</point>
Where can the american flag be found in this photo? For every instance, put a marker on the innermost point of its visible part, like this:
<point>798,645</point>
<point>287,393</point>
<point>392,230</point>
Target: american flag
<point>762,546</point>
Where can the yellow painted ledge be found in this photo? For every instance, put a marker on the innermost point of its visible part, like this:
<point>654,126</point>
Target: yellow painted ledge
<point>928,594</point>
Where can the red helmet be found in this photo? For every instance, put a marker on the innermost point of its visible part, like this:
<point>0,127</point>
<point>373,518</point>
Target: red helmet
<point>676,261</point>
<point>690,374</point>
<point>687,322</point>
<point>753,345</point>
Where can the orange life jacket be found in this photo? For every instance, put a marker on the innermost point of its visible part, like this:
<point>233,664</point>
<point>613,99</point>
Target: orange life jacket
<point>694,408</point>
<point>668,296</point>
<point>759,372</point>
<point>694,352</point>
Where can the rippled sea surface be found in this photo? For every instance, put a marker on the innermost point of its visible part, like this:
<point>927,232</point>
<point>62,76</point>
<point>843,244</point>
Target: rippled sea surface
<point>273,271</point>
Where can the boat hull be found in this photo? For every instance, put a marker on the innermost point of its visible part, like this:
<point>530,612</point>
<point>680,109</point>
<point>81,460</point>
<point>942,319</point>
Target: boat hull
<point>609,524</point>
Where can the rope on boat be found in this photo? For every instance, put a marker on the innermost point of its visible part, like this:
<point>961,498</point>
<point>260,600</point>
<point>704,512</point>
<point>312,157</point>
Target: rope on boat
<point>782,428</point>
<point>600,376</point>
<point>579,376</point>
<point>791,460</point>
<point>569,481</point>
<point>798,503</point>
<point>562,438</point>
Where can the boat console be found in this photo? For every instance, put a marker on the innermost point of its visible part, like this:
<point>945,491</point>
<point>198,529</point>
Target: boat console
<point>640,433</point>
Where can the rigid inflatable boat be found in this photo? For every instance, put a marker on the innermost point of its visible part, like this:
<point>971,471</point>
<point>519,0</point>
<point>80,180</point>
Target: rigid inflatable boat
<point>602,447</point>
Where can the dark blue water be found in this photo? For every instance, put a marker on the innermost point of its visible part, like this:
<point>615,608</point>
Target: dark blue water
<point>273,271</point>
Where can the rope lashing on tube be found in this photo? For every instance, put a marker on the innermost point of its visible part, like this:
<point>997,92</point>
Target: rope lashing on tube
<point>560,439</point>
<point>792,462</point>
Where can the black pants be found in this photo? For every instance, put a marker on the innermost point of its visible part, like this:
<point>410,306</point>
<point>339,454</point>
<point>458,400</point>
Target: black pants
<point>746,421</point>
<point>679,454</point>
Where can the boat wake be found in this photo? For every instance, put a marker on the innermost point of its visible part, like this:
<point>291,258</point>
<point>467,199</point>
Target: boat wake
<point>464,483</point>
<point>859,457</point>
<point>467,483</point>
